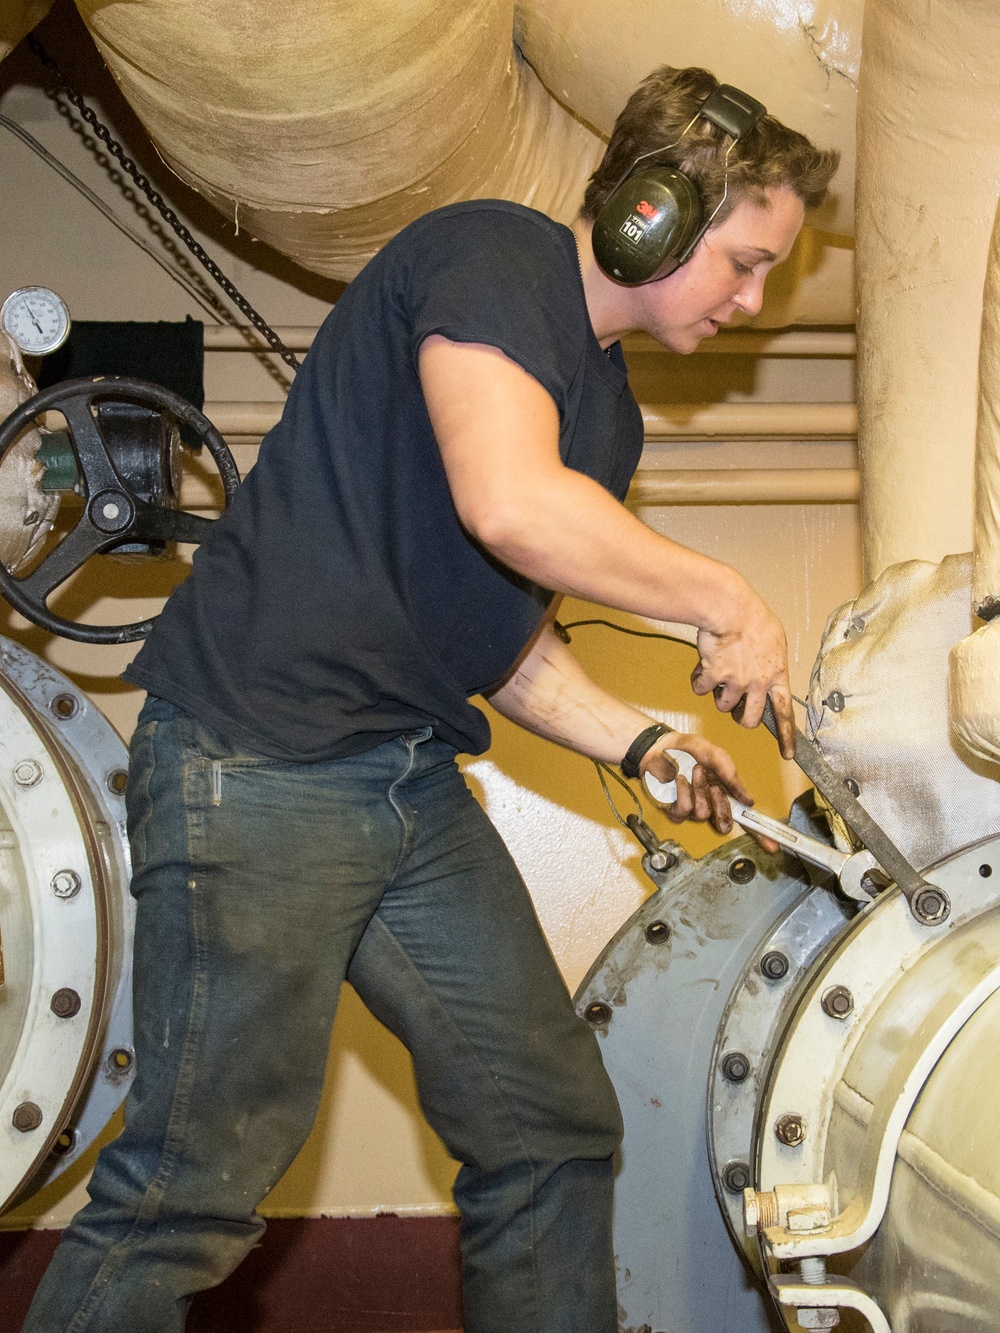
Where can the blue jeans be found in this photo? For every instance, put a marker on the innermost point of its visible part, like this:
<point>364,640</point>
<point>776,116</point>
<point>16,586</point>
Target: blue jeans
<point>259,886</point>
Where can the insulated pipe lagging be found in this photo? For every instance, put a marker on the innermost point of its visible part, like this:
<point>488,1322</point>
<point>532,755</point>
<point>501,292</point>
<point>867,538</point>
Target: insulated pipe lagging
<point>974,663</point>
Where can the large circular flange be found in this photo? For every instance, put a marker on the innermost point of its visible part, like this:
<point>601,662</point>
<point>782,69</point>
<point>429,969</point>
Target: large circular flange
<point>892,969</point>
<point>65,920</point>
<point>762,997</point>
<point>655,997</point>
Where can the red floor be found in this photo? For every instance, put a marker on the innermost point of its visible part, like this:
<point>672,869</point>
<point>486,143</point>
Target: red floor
<point>324,1275</point>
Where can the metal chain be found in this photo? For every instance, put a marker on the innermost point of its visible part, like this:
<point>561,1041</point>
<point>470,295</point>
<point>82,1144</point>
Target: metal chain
<point>161,206</point>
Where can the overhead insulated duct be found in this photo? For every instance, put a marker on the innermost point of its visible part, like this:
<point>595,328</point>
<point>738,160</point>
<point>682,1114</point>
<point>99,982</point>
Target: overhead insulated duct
<point>326,133</point>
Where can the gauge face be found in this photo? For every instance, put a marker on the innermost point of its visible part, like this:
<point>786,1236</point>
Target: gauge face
<point>37,320</point>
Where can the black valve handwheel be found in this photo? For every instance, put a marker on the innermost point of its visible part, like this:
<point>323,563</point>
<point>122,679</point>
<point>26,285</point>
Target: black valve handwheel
<point>113,514</point>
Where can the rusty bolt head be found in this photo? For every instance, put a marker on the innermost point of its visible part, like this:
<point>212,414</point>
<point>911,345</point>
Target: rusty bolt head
<point>735,1067</point>
<point>657,932</point>
<point>65,1003</point>
<point>64,706</point>
<point>27,1117</point>
<point>790,1129</point>
<point>597,1013</point>
<point>838,1002</point>
<point>736,1176</point>
<point>742,870</point>
<point>774,965</point>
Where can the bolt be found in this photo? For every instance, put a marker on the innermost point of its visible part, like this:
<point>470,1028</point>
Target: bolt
<point>735,1067</point>
<point>813,1270</point>
<point>736,1176</point>
<point>742,870</point>
<point>790,1129</point>
<point>65,1003</point>
<point>852,786</point>
<point>774,965</point>
<point>28,773</point>
<point>117,781</point>
<point>931,905</point>
<point>838,1002</point>
<point>661,860</point>
<point>64,706</point>
<point>120,1060</point>
<point>986,871</point>
<point>66,883</point>
<point>835,701</point>
<point>26,1117</point>
<point>597,1013</point>
<point>657,932</point>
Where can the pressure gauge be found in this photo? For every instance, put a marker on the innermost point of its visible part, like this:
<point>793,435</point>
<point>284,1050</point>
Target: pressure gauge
<point>37,319</point>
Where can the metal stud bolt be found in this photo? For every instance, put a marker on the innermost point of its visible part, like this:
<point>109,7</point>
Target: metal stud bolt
<point>736,1176</point>
<point>735,1067</point>
<point>838,1002</point>
<point>774,965</point>
<point>790,1129</point>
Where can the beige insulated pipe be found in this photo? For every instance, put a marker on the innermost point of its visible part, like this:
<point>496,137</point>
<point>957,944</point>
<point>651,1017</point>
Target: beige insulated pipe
<point>17,18</point>
<point>974,663</point>
<point>324,126</point>
<point>928,179</point>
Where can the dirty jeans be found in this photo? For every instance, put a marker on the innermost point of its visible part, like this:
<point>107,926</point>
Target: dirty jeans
<point>259,885</point>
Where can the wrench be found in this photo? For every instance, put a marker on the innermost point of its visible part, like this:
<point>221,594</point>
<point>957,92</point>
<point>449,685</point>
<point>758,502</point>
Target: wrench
<point>851,868</point>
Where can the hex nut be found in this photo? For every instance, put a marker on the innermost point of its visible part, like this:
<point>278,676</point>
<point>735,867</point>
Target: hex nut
<point>838,1002</point>
<point>65,1003</point>
<point>66,883</point>
<point>736,1176</point>
<point>774,965</point>
<point>26,1117</point>
<point>790,1129</point>
<point>27,773</point>
<point>742,870</point>
<point>735,1067</point>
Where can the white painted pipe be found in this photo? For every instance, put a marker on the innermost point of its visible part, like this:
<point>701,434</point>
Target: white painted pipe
<point>974,663</point>
<point>672,421</point>
<point>654,486</point>
<point>928,179</point>
<point>733,342</point>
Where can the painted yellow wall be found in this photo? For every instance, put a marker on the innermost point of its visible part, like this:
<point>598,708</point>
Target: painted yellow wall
<point>370,1151</point>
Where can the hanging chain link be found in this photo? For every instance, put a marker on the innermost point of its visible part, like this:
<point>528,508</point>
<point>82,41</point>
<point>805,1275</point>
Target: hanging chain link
<point>161,205</point>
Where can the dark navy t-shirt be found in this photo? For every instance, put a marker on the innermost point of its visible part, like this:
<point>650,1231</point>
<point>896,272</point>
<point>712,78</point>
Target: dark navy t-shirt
<point>339,602</point>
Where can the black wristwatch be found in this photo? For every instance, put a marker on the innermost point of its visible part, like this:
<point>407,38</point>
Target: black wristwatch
<point>639,747</point>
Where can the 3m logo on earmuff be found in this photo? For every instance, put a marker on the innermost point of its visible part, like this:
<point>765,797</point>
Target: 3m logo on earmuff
<point>634,227</point>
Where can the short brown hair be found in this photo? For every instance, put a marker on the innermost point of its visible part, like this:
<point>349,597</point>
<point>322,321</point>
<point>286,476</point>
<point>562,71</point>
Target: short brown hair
<point>658,114</point>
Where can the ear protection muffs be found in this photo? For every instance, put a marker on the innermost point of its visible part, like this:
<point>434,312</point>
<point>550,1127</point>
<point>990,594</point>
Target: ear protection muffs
<point>654,217</point>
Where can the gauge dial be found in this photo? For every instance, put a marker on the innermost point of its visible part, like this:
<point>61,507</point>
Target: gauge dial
<point>37,319</point>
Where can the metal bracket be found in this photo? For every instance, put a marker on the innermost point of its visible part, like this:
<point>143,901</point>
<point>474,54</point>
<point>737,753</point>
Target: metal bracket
<point>836,1293</point>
